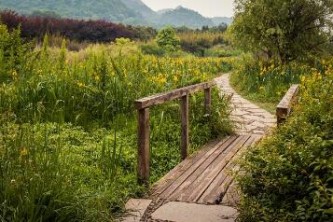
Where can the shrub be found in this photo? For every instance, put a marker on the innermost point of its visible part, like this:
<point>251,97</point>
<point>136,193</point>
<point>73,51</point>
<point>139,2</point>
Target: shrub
<point>78,30</point>
<point>289,176</point>
<point>152,49</point>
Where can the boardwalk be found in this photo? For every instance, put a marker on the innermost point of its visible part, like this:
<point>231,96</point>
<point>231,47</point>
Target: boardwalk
<point>207,177</point>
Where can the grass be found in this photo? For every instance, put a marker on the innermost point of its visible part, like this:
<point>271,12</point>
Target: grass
<point>68,135</point>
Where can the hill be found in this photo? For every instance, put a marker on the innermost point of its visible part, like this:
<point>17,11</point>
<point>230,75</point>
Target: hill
<point>181,16</point>
<point>220,20</point>
<point>133,12</point>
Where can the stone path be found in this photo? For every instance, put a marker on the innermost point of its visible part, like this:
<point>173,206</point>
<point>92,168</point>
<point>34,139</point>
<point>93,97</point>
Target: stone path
<point>249,118</point>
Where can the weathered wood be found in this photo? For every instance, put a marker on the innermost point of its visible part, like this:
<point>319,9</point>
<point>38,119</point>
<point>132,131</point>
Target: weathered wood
<point>165,193</point>
<point>208,100</point>
<point>172,95</point>
<point>176,172</point>
<point>185,126</point>
<point>143,146</point>
<point>283,109</point>
<point>143,104</point>
<point>218,187</point>
<point>199,186</point>
<point>189,177</point>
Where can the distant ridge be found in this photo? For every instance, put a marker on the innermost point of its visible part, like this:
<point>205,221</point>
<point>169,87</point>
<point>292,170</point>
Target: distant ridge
<point>133,12</point>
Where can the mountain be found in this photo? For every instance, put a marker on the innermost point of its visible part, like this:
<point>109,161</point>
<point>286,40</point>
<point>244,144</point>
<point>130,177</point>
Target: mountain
<point>181,16</point>
<point>133,12</point>
<point>220,20</point>
<point>113,10</point>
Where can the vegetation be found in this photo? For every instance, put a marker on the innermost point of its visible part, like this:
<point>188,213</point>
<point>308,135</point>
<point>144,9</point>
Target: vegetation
<point>133,12</point>
<point>68,126</point>
<point>94,31</point>
<point>283,30</point>
<point>289,175</point>
<point>167,39</point>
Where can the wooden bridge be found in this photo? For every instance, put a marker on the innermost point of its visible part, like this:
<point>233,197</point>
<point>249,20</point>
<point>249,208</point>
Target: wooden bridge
<point>206,177</point>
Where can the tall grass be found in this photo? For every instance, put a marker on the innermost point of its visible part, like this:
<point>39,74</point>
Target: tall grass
<point>68,126</point>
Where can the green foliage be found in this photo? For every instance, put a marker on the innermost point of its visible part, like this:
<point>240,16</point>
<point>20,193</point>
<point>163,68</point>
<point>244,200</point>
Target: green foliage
<point>167,39</point>
<point>266,82</point>
<point>288,177</point>
<point>152,49</point>
<point>68,127</point>
<point>283,30</point>
<point>13,54</point>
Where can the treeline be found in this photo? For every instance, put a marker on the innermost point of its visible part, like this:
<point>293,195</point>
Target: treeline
<point>35,27</point>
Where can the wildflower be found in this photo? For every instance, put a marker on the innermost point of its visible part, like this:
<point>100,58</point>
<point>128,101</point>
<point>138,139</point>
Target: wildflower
<point>14,74</point>
<point>80,84</point>
<point>23,152</point>
<point>175,78</point>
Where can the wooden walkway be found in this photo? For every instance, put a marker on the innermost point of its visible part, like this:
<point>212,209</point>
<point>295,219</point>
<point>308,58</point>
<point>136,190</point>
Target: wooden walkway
<point>205,177</point>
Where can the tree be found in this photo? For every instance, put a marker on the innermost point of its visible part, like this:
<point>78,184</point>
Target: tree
<point>283,30</point>
<point>167,39</point>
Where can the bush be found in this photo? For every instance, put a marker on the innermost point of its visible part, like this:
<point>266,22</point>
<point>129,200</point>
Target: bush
<point>264,81</point>
<point>289,176</point>
<point>78,30</point>
<point>152,49</point>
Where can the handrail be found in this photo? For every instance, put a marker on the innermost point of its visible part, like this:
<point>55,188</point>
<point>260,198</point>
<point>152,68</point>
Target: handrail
<point>284,108</point>
<point>143,105</point>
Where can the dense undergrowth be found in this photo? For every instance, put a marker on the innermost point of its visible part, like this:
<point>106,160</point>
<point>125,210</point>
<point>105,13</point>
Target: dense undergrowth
<point>289,176</point>
<point>68,125</point>
<point>265,83</point>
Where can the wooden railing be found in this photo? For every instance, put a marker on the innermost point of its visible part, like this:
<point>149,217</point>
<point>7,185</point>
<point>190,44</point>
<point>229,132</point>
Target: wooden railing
<point>283,109</point>
<point>142,105</point>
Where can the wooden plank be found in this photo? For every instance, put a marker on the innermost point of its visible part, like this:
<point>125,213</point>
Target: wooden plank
<point>283,109</point>
<point>208,100</point>
<point>180,180</point>
<point>177,171</point>
<point>185,126</point>
<point>232,196</point>
<point>168,96</point>
<point>200,184</point>
<point>143,146</point>
<point>187,186</point>
<point>216,190</point>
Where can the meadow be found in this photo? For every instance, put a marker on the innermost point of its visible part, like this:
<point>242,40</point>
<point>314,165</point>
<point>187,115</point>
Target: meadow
<point>68,125</point>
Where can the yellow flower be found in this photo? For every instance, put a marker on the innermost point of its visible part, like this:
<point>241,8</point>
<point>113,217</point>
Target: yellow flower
<point>14,75</point>
<point>23,152</point>
<point>175,78</point>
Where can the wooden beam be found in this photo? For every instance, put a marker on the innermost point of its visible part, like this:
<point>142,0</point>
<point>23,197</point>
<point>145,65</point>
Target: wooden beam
<point>172,95</point>
<point>208,100</point>
<point>283,109</point>
<point>185,126</point>
<point>143,146</point>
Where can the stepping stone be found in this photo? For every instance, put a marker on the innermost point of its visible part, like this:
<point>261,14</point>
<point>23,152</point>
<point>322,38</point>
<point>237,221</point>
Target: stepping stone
<point>189,212</point>
<point>135,208</point>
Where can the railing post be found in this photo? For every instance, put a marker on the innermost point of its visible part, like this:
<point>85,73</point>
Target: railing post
<point>208,100</point>
<point>143,146</point>
<point>185,125</point>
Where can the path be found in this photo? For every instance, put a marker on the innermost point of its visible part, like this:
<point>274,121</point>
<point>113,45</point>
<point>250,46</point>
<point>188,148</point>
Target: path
<point>249,118</point>
<point>202,188</point>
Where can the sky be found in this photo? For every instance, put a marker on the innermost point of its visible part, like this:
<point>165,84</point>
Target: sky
<point>208,8</point>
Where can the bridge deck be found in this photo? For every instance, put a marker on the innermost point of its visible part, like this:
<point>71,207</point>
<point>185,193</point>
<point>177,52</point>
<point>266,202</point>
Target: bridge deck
<point>207,176</point>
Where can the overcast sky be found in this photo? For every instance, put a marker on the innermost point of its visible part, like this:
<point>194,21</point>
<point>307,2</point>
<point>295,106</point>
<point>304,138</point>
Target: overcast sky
<point>209,8</point>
